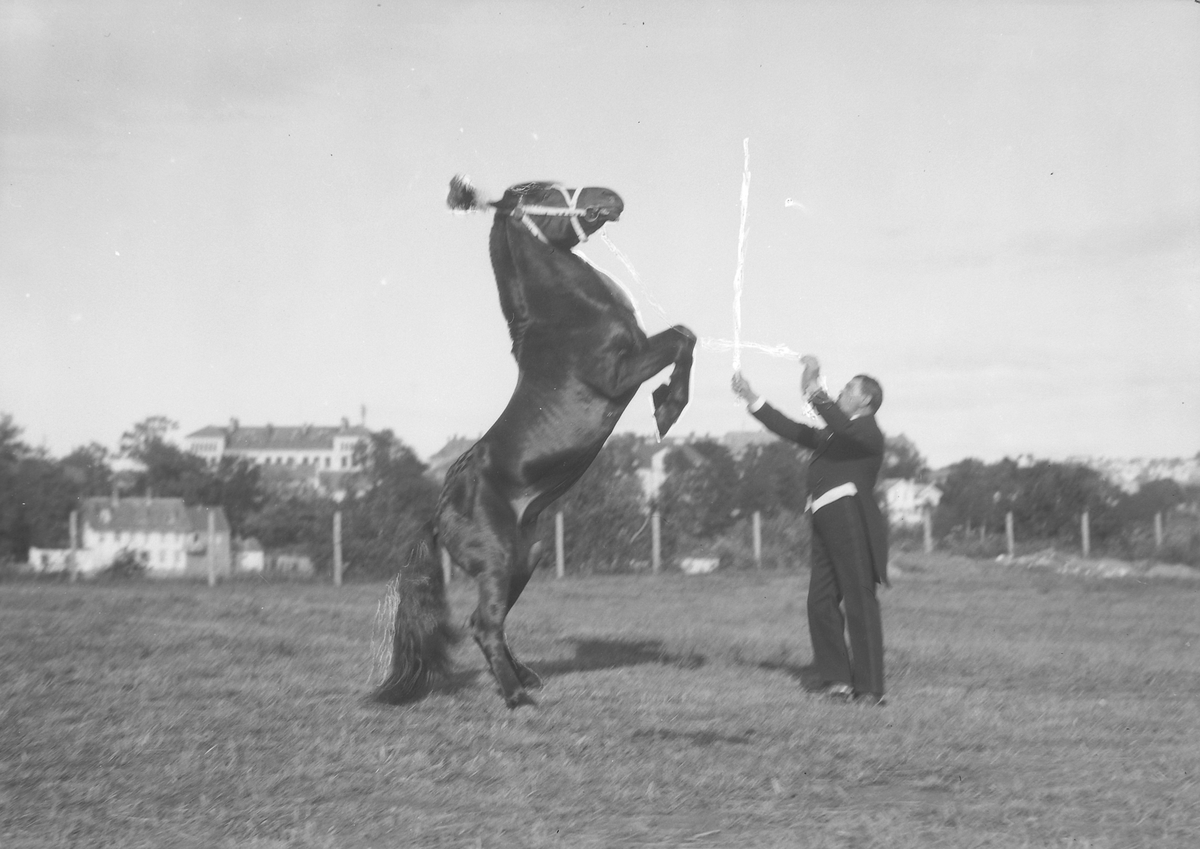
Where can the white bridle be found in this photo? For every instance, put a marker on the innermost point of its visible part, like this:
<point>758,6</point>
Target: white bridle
<point>570,211</point>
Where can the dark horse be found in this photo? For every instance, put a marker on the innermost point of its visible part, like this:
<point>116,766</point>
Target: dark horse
<point>581,356</point>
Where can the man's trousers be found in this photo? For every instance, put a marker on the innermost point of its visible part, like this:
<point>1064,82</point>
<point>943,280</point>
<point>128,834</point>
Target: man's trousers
<point>842,573</point>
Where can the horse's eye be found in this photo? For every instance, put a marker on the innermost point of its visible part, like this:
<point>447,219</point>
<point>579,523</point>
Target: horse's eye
<point>591,213</point>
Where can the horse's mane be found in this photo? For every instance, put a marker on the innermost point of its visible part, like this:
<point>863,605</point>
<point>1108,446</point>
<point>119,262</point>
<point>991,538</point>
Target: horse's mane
<point>512,293</point>
<point>512,301</point>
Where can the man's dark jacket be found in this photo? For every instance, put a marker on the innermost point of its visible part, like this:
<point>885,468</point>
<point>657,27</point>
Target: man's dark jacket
<point>848,450</point>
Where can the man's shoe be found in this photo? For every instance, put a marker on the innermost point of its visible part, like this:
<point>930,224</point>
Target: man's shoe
<point>838,692</point>
<point>869,699</point>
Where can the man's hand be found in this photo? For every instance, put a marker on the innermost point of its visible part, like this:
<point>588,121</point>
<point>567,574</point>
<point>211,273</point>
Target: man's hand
<point>810,381</point>
<point>741,388</point>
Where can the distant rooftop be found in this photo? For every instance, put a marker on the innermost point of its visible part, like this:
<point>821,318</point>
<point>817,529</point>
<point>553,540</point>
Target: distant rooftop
<point>279,438</point>
<point>148,514</point>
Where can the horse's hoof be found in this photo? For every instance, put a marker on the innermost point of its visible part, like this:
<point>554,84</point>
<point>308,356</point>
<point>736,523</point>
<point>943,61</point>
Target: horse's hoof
<point>519,698</point>
<point>529,679</point>
<point>665,412</point>
<point>665,415</point>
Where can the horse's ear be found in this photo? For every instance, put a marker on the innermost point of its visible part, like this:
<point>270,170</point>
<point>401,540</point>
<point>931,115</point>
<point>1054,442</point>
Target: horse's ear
<point>463,196</point>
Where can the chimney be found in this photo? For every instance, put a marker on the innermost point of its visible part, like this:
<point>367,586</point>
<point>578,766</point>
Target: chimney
<point>345,423</point>
<point>233,425</point>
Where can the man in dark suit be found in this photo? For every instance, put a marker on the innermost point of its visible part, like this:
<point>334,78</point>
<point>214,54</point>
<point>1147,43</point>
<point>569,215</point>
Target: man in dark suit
<point>849,540</point>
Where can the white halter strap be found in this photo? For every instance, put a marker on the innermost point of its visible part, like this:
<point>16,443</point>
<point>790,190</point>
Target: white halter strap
<point>569,210</point>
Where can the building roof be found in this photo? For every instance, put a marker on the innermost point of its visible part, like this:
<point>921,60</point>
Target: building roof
<point>210,430</point>
<point>283,438</point>
<point>164,515</point>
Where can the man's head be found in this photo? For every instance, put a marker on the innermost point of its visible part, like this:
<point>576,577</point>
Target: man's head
<point>862,396</point>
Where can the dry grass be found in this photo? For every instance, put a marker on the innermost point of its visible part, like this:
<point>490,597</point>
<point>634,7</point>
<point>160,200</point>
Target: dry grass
<point>1026,709</point>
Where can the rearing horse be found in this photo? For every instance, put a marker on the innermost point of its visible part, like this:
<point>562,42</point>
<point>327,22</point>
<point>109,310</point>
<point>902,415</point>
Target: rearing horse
<point>581,356</point>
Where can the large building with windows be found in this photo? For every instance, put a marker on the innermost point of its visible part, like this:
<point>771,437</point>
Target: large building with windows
<point>304,447</point>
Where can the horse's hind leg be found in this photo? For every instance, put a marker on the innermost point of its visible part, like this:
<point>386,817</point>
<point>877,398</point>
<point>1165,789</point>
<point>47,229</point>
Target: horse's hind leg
<point>525,562</point>
<point>483,547</point>
<point>487,626</point>
<point>529,679</point>
<point>478,529</point>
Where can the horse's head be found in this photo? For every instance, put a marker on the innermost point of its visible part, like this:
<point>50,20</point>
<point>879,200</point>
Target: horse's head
<point>560,216</point>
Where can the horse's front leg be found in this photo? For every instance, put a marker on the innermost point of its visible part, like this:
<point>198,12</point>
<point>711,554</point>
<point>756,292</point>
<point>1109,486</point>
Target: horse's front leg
<point>672,396</point>
<point>672,346</point>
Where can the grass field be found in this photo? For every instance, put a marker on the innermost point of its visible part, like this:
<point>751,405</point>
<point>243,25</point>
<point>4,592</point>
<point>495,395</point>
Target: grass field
<point>1026,709</point>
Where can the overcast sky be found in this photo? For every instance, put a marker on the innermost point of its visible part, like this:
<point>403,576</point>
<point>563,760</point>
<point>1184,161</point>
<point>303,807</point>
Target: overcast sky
<point>214,209</point>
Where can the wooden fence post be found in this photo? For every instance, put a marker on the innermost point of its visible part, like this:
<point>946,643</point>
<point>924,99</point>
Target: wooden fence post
<point>71,563</point>
<point>1008,534</point>
<point>655,541</point>
<point>337,548</point>
<point>927,522</point>
<point>559,559</point>
<point>212,548</point>
<point>447,567</point>
<point>1158,531</point>
<point>758,539</point>
<point>1085,533</point>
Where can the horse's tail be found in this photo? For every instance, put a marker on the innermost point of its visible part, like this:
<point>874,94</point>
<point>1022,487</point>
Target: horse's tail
<point>423,634</point>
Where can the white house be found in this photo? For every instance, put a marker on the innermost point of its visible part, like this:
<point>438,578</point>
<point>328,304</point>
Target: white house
<point>168,536</point>
<point>907,501</point>
<point>250,556</point>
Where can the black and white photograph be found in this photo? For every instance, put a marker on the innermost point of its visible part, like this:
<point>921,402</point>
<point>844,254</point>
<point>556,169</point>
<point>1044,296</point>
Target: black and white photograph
<point>611,423</point>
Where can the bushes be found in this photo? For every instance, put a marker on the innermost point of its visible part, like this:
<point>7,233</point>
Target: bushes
<point>785,544</point>
<point>125,566</point>
<point>607,527</point>
<point>1180,543</point>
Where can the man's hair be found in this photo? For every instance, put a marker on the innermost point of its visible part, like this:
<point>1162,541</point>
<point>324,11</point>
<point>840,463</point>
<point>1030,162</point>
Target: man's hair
<point>872,389</point>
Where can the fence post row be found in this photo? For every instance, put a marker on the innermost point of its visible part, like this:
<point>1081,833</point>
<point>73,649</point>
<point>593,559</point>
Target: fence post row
<point>656,539</point>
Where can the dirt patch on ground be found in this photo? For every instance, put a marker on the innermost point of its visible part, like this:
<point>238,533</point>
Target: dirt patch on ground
<point>1100,567</point>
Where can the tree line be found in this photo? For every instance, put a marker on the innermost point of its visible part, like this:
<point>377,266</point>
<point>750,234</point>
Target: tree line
<point>1047,500</point>
<point>706,501</point>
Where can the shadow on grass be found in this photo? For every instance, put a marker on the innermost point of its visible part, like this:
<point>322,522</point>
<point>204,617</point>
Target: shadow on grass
<point>590,655</point>
<point>594,654</point>
<point>806,674</point>
<point>696,738</point>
